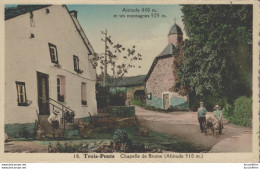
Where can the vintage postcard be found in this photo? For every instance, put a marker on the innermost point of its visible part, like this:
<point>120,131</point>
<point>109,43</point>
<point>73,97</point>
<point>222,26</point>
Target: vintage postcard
<point>137,81</point>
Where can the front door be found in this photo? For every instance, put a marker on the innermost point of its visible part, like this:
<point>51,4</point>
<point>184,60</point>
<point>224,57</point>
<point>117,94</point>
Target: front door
<point>166,101</point>
<point>43,93</point>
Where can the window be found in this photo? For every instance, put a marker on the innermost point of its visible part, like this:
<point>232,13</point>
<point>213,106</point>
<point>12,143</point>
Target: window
<point>53,53</point>
<point>83,93</point>
<point>21,94</point>
<point>61,88</point>
<point>149,96</point>
<point>76,64</point>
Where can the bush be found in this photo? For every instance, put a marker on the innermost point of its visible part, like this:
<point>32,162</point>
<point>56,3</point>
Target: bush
<point>149,107</point>
<point>117,100</point>
<point>209,101</point>
<point>67,148</point>
<point>181,107</point>
<point>102,95</point>
<point>241,112</point>
<point>227,110</point>
<point>138,102</point>
<point>121,111</point>
<point>25,133</point>
<point>105,97</point>
<point>120,136</point>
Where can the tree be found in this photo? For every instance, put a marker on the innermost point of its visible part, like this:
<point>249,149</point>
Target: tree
<point>218,52</point>
<point>119,60</point>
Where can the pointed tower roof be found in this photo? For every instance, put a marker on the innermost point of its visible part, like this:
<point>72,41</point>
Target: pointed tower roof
<point>175,29</point>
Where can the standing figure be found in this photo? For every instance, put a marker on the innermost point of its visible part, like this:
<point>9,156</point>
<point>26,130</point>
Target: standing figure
<point>54,120</point>
<point>201,115</point>
<point>218,116</point>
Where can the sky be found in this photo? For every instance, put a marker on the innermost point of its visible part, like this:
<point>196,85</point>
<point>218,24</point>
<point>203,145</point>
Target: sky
<point>149,35</point>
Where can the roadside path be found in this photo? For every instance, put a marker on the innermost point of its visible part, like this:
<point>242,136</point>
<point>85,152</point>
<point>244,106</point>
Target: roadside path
<point>184,125</point>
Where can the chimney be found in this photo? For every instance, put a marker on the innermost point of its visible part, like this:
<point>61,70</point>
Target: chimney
<point>74,13</point>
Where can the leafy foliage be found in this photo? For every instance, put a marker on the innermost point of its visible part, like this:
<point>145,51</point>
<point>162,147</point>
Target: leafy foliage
<point>117,99</point>
<point>242,112</point>
<point>155,141</point>
<point>177,87</point>
<point>67,148</point>
<point>102,95</point>
<point>218,52</point>
<point>106,98</point>
<point>120,136</point>
<point>119,60</point>
<point>138,102</point>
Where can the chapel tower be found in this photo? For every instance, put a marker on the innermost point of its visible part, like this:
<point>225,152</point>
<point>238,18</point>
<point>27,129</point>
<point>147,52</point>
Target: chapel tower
<point>175,35</point>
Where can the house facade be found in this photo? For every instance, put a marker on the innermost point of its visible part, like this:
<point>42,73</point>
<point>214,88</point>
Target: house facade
<point>46,63</point>
<point>160,78</point>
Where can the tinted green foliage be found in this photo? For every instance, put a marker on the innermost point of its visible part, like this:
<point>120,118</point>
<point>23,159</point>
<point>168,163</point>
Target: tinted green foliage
<point>138,102</point>
<point>154,140</point>
<point>117,99</point>
<point>120,136</point>
<point>105,97</point>
<point>217,65</point>
<point>121,111</point>
<point>242,112</point>
<point>102,95</point>
<point>138,143</point>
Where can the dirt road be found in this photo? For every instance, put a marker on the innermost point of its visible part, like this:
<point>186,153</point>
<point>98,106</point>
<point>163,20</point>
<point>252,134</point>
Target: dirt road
<point>184,125</point>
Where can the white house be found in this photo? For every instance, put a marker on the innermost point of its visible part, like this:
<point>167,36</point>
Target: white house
<point>46,56</point>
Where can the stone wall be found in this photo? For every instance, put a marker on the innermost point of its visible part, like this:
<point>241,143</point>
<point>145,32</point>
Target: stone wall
<point>161,79</point>
<point>160,82</point>
<point>173,39</point>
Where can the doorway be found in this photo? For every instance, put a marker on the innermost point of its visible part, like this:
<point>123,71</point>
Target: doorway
<point>43,93</point>
<point>166,103</point>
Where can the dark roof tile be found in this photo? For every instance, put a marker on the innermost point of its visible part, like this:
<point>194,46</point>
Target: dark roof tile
<point>169,51</point>
<point>175,29</point>
<point>131,81</point>
<point>21,9</point>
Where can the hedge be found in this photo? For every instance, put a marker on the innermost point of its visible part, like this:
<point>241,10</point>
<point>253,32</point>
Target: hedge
<point>241,112</point>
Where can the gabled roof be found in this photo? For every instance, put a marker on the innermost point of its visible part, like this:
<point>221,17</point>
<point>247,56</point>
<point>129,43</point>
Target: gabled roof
<point>169,51</point>
<point>21,9</point>
<point>132,81</point>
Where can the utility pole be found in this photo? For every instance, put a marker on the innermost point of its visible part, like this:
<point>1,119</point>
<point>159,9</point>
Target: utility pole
<point>114,74</point>
<point>105,40</point>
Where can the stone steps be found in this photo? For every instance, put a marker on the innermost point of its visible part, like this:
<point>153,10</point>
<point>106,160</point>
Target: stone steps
<point>47,128</point>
